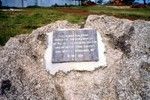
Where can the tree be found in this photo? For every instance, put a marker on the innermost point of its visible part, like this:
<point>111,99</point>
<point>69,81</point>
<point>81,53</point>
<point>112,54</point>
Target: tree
<point>76,2</point>
<point>123,2</point>
<point>100,1</point>
<point>117,2</point>
<point>146,2</point>
<point>83,1</point>
<point>80,2</point>
<point>128,2</point>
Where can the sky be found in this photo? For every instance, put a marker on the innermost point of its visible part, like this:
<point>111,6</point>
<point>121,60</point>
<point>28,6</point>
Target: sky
<point>141,1</point>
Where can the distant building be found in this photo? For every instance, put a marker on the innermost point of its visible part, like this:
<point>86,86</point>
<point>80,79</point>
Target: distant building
<point>43,3</point>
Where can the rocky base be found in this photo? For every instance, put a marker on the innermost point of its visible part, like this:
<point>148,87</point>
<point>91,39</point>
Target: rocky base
<point>23,75</point>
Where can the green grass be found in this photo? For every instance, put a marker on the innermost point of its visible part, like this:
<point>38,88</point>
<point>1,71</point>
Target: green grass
<point>130,13</point>
<point>23,22</point>
<point>15,23</point>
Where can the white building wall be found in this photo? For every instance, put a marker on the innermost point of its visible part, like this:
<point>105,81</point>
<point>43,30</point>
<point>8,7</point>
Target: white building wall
<point>58,2</point>
<point>18,3</point>
<point>44,3</point>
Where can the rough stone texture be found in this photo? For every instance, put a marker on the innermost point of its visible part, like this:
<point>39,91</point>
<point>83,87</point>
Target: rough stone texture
<point>126,77</point>
<point>21,62</point>
<point>128,54</point>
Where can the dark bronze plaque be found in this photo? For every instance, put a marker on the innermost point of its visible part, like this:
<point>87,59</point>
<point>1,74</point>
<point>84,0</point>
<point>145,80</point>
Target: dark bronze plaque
<point>74,46</point>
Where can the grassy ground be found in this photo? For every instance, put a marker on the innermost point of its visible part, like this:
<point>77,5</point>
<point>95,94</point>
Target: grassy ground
<point>123,12</point>
<point>23,22</point>
<point>14,23</point>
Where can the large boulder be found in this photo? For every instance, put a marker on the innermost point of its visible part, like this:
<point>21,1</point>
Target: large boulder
<point>132,69</point>
<point>23,75</point>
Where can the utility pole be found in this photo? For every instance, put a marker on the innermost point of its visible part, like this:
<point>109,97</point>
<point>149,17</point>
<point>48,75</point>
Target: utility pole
<point>36,3</point>
<point>0,3</point>
<point>22,3</point>
<point>144,2</point>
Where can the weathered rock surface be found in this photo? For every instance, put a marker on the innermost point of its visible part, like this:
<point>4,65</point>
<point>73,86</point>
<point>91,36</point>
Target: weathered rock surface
<point>126,77</point>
